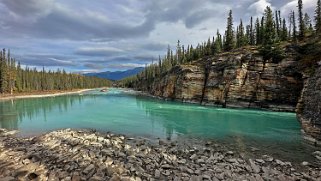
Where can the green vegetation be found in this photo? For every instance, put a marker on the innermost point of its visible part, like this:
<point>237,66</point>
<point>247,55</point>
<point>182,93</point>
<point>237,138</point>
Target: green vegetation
<point>13,78</point>
<point>269,33</point>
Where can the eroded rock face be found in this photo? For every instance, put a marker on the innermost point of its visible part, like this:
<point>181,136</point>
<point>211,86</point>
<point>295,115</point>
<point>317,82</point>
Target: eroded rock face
<point>309,106</point>
<point>237,79</point>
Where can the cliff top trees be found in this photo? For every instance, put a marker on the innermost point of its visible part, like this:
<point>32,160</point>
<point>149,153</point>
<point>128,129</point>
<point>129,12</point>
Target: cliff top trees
<point>229,34</point>
<point>317,17</point>
<point>269,37</point>
<point>270,46</point>
<point>300,18</point>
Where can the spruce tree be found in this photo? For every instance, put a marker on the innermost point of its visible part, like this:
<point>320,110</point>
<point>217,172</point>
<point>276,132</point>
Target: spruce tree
<point>229,34</point>
<point>307,24</point>
<point>294,35</point>
<point>241,40</point>
<point>218,45</point>
<point>317,17</point>
<point>258,32</point>
<point>270,48</point>
<point>252,38</point>
<point>300,18</point>
<point>277,24</point>
<point>284,35</point>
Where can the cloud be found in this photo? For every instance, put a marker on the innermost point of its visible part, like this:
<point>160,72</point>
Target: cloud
<point>98,51</point>
<point>259,6</point>
<point>29,7</point>
<point>95,66</point>
<point>90,35</point>
<point>154,46</point>
<point>46,60</point>
<point>308,6</point>
<point>63,22</point>
<point>125,66</point>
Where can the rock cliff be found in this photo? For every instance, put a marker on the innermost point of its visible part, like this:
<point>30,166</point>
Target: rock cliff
<point>234,79</point>
<point>309,106</point>
<point>242,78</point>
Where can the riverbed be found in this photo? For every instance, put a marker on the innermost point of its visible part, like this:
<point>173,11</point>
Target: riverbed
<point>123,111</point>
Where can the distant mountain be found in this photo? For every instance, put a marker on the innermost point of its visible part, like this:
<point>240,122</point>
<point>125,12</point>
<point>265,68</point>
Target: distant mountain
<point>118,75</point>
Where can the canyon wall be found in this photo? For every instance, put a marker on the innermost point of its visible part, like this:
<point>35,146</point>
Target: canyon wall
<point>234,79</point>
<point>309,105</point>
<point>242,79</point>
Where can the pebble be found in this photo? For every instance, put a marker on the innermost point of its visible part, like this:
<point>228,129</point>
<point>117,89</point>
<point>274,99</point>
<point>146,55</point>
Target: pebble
<point>94,156</point>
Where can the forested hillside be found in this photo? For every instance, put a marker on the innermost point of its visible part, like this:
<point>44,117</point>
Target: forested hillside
<point>269,34</point>
<point>13,78</point>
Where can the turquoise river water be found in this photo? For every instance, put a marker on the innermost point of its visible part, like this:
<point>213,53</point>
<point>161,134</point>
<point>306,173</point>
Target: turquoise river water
<point>124,112</point>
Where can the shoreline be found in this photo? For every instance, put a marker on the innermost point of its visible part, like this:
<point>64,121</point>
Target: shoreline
<point>147,94</point>
<point>81,154</point>
<point>41,94</point>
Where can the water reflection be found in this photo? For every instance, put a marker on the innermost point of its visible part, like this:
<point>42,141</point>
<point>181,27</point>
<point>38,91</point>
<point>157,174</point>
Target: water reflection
<point>219,123</point>
<point>13,112</point>
<point>276,134</point>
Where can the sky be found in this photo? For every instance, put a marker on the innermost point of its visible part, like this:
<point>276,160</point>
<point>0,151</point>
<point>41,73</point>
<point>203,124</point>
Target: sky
<point>110,35</point>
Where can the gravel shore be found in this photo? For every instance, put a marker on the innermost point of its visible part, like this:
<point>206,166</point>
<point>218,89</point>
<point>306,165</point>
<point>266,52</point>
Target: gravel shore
<point>88,155</point>
<point>41,94</point>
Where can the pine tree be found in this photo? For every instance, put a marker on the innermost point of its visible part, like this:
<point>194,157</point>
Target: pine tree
<point>277,24</point>
<point>307,24</point>
<point>241,39</point>
<point>269,31</point>
<point>258,32</point>
<point>252,37</point>
<point>178,52</point>
<point>218,45</point>
<point>317,17</point>
<point>301,21</point>
<point>294,35</point>
<point>270,48</point>
<point>284,35</point>
<point>229,34</point>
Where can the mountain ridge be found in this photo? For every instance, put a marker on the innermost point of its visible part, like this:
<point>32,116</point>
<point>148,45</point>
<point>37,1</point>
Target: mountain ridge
<point>117,75</point>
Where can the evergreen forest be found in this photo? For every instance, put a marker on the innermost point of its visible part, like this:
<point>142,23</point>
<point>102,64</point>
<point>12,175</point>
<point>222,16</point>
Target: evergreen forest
<point>268,33</point>
<point>14,78</point>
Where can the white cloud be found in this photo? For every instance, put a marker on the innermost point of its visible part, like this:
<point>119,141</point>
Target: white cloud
<point>259,6</point>
<point>308,6</point>
<point>34,8</point>
<point>98,51</point>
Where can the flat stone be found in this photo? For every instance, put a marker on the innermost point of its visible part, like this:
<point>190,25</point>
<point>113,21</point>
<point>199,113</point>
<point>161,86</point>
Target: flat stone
<point>75,178</point>
<point>318,153</point>
<point>8,179</point>
<point>260,161</point>
<point>53,177</point>
<point>232,160</point>
<point>255,168</point>
<point>115,178</point>
<point>89,169</point>
<point>166,166</point>
<point>157,174</point>
<point>193,157</point>
<point>182,161</point>
<point>279,162</point>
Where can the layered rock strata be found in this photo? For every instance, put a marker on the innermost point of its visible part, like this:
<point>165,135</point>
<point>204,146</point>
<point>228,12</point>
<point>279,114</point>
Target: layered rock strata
<point>234,79</point>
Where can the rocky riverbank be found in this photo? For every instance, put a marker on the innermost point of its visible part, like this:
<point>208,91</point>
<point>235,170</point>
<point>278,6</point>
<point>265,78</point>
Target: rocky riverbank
<point>88,155</point>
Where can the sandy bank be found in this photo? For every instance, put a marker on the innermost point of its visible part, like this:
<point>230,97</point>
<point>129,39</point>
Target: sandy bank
<point>41,94</point>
